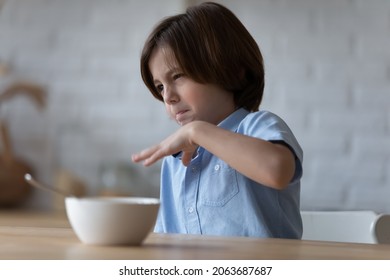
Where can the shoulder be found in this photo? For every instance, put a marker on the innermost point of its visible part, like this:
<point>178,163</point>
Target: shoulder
<point>262,121</point>
<point>263,115</point>
<point>270,127</point>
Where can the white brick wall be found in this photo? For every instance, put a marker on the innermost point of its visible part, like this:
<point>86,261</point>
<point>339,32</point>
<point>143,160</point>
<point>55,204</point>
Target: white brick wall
<point>328,75</point>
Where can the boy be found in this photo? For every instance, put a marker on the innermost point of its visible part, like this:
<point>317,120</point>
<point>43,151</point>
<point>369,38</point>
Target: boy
<point>229,169</point>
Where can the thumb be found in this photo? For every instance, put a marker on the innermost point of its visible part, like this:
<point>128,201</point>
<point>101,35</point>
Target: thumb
<point>186,158</point>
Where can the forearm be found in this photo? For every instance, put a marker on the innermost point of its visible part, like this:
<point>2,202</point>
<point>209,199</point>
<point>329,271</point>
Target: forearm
<point>267,163</point>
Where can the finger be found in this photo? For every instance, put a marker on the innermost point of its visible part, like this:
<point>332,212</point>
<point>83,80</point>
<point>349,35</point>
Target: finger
<point>149,156</point>
<point>135,158</point>
<point>157,155</point>
<point>143,155</point>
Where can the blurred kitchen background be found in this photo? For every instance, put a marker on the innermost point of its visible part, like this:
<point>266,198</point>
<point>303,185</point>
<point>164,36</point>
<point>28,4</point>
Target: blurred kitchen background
<point>80,109</point>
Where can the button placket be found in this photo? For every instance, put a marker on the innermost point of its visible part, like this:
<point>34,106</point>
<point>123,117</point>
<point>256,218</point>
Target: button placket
<point>192,182</point>
<point>194,170</point>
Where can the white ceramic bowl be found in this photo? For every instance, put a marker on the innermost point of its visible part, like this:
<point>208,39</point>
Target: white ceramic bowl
<point>112,220</point>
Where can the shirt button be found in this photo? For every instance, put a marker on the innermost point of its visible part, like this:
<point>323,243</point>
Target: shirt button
<point>216,167</point>
<point>190,210</point>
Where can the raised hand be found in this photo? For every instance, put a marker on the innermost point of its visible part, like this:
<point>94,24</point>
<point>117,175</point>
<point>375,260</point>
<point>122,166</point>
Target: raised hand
<point>180,141</point>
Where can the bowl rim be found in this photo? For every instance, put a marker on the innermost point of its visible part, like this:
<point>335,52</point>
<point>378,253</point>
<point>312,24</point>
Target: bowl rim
<point>132,200</point>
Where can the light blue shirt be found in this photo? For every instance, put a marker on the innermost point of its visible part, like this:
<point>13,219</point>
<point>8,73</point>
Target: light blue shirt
<point>209,197</point>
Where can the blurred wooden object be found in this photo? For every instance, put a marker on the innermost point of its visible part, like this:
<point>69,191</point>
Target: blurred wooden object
<point>22,218</point>
<point>33,91</point>
<point>13,188</point>
<point>3,69</point>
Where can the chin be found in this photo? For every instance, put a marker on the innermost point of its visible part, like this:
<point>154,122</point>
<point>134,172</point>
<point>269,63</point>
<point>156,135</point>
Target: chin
<point>184,122</point>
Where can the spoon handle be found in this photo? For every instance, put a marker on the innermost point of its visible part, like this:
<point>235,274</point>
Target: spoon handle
<point>29,179</point>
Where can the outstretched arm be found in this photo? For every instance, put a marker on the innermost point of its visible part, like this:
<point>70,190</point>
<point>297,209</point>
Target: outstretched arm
<point>267,163</point>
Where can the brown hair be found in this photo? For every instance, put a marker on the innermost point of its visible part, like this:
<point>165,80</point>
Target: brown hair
<point>211,46</point>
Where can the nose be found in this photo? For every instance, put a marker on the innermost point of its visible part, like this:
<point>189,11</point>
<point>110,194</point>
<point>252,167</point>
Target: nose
<point>171,96</point>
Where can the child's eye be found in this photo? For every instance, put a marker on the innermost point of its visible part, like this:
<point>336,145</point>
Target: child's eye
<point>159,88</point>
<point>177,76</point>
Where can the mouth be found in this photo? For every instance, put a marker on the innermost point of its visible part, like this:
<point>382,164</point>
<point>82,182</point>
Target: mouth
<point>181,112</point>
<point>179,116</point>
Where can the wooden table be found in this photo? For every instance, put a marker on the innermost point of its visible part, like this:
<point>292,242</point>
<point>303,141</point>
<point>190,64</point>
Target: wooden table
<point>44,236</point>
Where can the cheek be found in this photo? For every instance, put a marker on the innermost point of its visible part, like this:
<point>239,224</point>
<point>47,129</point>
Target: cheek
<point>167,109</point>
<point>192,96</point>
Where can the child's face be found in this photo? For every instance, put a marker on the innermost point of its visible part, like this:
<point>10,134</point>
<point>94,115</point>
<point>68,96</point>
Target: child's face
<point>186,100</point>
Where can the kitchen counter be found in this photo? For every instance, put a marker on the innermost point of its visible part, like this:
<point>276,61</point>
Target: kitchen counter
<point>49,236</point>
